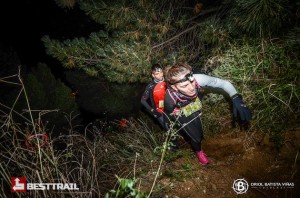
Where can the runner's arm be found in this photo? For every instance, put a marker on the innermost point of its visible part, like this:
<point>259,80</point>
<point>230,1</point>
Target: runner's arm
<point>215,84</point>
<point>240,110</point>
<point>144,99</point>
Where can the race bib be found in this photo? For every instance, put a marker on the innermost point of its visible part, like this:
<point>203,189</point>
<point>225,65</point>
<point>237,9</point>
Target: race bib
<point>161,104</point>
<point>192,107</point>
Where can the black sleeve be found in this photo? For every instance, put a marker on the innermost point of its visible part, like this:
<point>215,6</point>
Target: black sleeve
<point>145,97</point>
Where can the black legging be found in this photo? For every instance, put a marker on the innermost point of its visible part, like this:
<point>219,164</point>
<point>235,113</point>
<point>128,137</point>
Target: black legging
<point>162,123</point>
<point>196,146</point>
<point>193,131</point>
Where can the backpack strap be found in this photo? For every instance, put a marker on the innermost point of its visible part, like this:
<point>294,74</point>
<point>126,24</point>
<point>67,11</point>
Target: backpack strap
<point>171,94</point>
<point>178,98</point>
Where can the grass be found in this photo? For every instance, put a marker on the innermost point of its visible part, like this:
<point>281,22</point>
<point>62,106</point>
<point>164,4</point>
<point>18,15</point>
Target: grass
<point>115,162</point>
<point>74,158</point>
<point>89,158</point>
<point>119,161</point>
<point>265,73</point>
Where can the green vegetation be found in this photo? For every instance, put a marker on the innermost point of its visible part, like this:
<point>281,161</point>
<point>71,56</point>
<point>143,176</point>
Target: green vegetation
<point>258,50</point>
<point>126,189</point>
<point>90,159</point>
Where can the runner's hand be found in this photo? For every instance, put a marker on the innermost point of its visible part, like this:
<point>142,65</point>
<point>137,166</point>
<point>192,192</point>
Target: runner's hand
<point>240,110</point>
<point>156,114</point>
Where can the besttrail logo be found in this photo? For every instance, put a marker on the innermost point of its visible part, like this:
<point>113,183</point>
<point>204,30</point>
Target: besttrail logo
<point>19,184</point>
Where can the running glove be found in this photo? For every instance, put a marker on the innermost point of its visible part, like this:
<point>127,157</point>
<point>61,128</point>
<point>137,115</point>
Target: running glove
<point>240,110</point>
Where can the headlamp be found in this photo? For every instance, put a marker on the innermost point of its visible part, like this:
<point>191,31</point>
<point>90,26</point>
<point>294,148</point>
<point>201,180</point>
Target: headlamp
<point>157,70</point>
<point>187,77</point>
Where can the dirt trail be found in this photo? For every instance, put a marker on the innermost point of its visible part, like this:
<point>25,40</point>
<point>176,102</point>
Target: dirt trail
<point>236,155</point>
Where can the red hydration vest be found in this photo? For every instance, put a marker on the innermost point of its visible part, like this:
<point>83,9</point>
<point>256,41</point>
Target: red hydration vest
<point>159,92</point>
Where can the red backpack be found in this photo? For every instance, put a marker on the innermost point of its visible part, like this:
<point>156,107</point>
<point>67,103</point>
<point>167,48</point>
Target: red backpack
<point>159,92</point>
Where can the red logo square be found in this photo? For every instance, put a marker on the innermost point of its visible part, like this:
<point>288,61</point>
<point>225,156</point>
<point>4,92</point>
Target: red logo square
<point>18,184</point>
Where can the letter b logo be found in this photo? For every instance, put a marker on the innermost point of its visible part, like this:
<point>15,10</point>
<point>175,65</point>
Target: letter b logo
<point>240,186</point>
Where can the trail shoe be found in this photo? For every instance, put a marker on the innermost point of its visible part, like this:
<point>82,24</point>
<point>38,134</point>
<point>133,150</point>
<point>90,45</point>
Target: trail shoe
<point>202,158</point>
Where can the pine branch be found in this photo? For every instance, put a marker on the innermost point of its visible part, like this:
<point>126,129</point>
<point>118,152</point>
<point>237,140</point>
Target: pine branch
<point>186,30</point>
